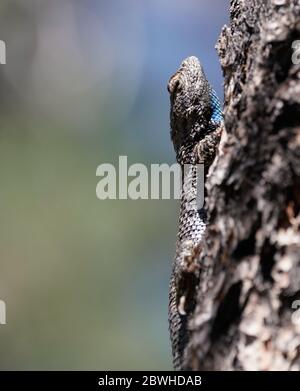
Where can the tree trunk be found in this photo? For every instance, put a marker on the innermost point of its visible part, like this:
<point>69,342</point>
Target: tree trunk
<point>245,317</point>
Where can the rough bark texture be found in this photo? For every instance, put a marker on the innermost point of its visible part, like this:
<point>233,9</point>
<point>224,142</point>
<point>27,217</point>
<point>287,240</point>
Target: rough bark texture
<point>251,255</point>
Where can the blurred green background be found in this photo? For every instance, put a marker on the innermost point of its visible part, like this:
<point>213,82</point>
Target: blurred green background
<point>86,281</point>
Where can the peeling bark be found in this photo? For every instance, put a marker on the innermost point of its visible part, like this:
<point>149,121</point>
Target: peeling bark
<point>250,277</point>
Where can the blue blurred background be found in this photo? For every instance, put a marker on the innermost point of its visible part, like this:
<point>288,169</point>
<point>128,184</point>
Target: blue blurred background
<point>86,281</point>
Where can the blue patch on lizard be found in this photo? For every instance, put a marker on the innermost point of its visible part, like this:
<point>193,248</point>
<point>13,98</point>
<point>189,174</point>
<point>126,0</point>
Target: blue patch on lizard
<point>216,116</point>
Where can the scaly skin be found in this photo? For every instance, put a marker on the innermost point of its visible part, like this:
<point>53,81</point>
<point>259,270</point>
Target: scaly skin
<point>195,132</point>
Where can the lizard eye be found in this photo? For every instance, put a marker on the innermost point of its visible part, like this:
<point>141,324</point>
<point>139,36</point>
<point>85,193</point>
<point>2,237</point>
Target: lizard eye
<point>174,84</point>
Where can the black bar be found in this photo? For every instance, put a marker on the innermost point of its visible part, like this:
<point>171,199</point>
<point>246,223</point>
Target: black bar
<point>110,380</point>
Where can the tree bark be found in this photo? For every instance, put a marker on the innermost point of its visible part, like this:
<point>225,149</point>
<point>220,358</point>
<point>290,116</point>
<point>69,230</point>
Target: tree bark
<point>245,316</point>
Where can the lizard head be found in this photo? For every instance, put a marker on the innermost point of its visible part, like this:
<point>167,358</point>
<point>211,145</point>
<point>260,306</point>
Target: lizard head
<point>190,103</point>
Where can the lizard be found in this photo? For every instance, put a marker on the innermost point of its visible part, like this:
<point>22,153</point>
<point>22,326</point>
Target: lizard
<point>195,118</point>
